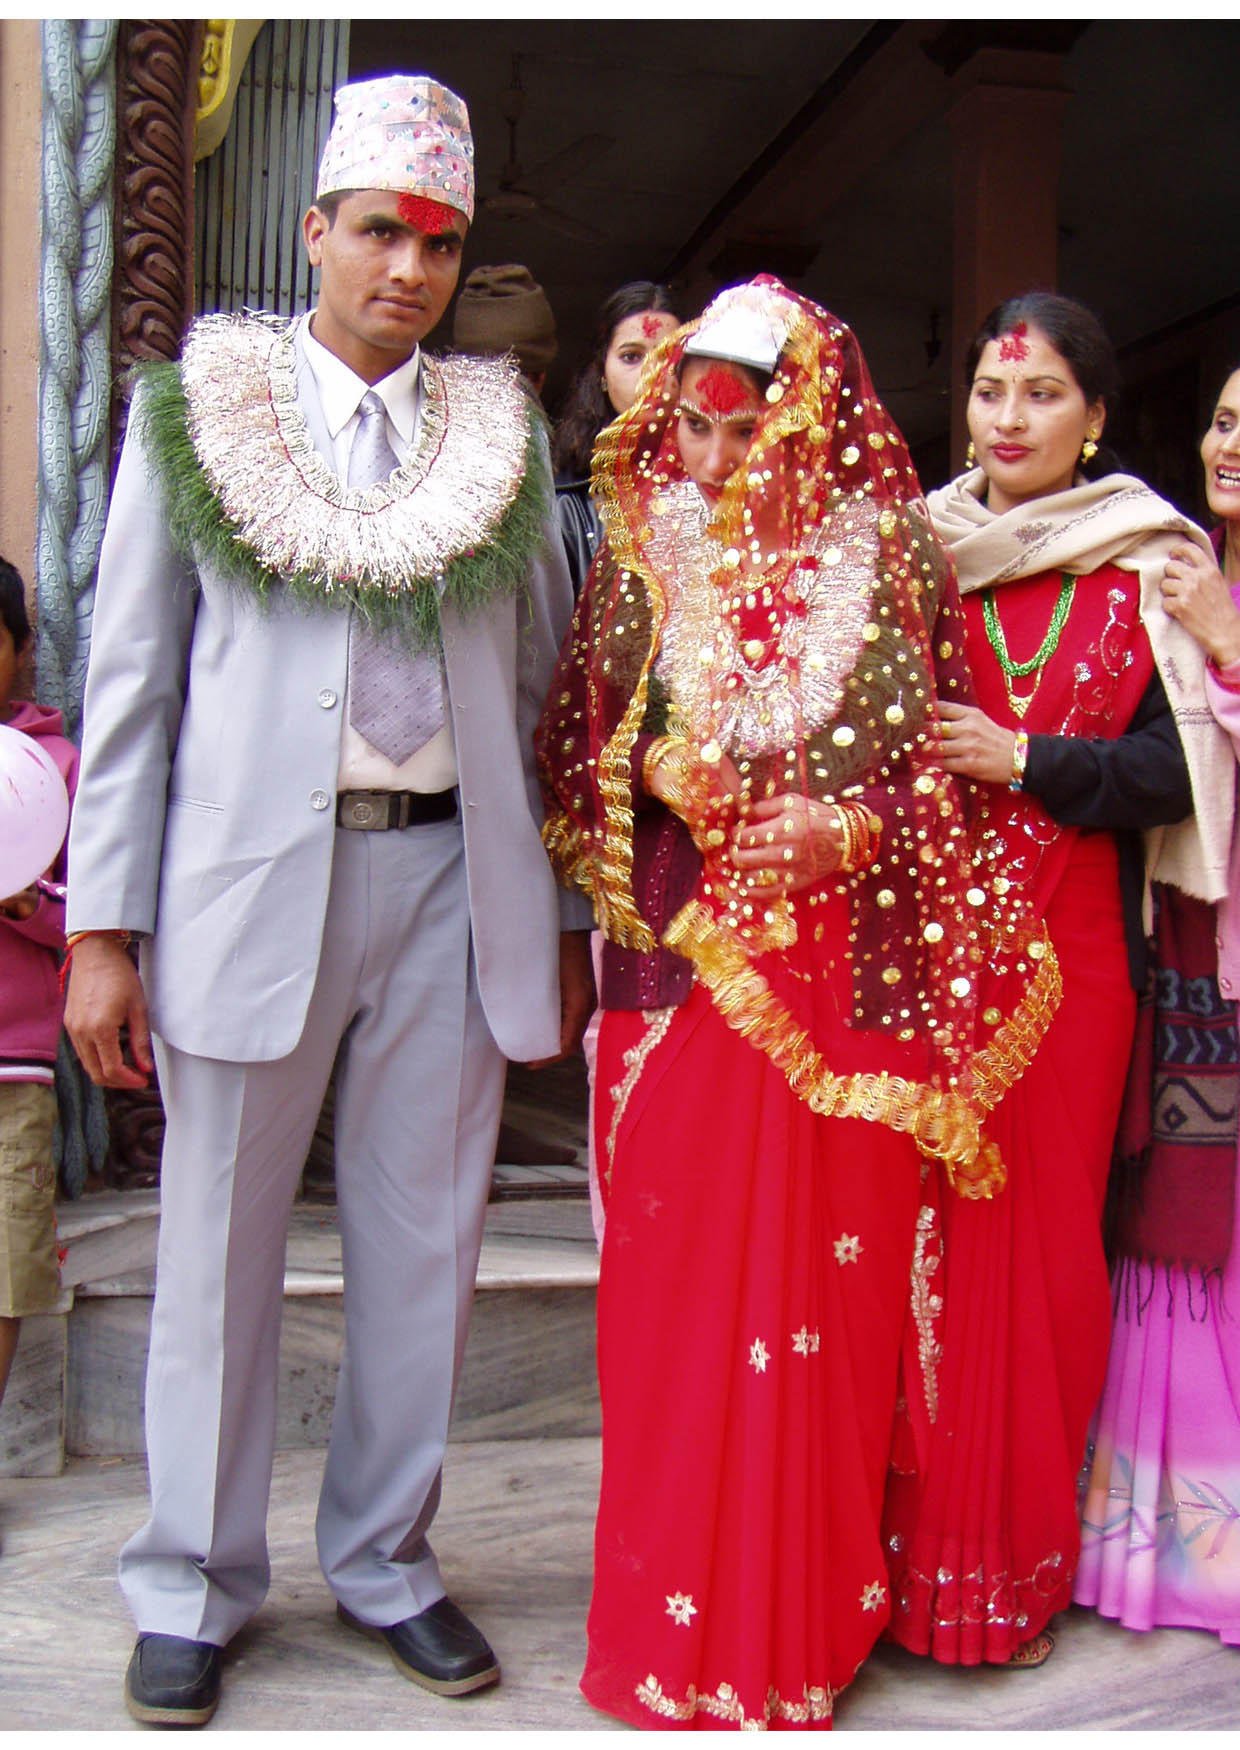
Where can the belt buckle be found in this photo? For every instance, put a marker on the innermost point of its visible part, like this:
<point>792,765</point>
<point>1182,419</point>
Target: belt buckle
<point>366,811</point>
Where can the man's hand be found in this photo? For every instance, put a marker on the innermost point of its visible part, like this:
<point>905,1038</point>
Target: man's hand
<point>576,993</point>
<point>105,994</point>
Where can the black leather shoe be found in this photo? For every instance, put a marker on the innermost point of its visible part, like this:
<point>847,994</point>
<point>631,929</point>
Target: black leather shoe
<point>172,1681</point>
<point>439,1648</point>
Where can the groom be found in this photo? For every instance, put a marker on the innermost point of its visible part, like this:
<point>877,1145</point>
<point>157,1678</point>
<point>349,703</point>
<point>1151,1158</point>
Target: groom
<point>308,791</point>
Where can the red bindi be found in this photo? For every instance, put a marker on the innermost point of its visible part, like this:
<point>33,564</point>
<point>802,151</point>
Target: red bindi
<point>1013,344</point>
<point>430,217</point>
<point>652,325</point>
<point>721,392</point>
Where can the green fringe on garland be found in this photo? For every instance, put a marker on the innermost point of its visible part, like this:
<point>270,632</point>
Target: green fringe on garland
<point>202,533</point>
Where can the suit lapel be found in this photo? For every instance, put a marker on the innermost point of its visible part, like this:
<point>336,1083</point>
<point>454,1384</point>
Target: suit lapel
<point>308,398</point>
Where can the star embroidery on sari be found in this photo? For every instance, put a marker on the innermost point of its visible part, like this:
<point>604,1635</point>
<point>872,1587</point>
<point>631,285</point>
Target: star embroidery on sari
<point>805,1342</point>
<point>848,1248</point>
<point>873,1596</point>
<point>759,1355</point>
<point>680,1607</point>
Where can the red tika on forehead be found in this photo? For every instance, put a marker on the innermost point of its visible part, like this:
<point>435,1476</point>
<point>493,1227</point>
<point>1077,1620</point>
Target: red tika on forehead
<point>430,217</point>
<point>1014,345</point>
<point>720,391</point>
<point>651,325</point>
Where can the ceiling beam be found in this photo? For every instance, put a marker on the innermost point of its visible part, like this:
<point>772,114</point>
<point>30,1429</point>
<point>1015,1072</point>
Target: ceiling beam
<point>897,77</point>
<point>878,94</point>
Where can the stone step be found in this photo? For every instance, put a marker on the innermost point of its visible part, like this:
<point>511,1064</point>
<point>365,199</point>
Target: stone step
<point>529,1365</point>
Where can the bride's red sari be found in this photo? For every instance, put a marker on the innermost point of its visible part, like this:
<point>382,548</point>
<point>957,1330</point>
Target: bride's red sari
<point>981,1521</point>
<point>779,1083</point>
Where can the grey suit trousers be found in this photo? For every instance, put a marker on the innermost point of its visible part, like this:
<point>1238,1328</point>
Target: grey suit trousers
<point>419,1089</point>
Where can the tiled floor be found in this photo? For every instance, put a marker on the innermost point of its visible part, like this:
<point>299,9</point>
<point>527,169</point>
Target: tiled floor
<point>514,1537</point>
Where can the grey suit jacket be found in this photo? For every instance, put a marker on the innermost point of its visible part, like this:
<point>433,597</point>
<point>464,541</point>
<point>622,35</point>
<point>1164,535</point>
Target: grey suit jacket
<point>205,814</point>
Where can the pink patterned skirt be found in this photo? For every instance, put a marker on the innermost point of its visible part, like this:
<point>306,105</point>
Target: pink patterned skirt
<point>1160,1535</point>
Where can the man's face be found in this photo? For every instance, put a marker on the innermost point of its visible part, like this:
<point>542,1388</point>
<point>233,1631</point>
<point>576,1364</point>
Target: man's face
<point>384,283</point>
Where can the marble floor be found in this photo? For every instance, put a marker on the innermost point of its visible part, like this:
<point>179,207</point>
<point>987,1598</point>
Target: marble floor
<point>514,1536</point>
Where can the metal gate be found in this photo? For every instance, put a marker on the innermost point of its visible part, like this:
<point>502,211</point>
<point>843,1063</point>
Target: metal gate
<point>254,189</point>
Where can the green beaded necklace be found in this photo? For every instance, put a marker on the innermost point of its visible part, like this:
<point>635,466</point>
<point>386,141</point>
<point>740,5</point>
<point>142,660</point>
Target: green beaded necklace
<point>1049,645</point>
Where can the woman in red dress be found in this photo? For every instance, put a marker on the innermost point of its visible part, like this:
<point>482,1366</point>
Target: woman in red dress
<point>741,751</point>
<point>1081,683</point>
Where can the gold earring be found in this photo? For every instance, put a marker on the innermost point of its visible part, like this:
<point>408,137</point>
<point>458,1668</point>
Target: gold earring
<point>1089,449</point>
<point>970,456</point>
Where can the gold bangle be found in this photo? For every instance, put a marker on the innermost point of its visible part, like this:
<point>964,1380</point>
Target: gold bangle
<point>848,838</point>
<point>660,749</point>
<point>861,831</point>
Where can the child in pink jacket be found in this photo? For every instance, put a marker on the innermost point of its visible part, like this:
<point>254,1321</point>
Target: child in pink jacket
<point>32,939</point>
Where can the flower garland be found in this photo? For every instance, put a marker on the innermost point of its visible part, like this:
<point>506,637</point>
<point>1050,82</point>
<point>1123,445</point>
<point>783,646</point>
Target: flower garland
<point>250,495</point>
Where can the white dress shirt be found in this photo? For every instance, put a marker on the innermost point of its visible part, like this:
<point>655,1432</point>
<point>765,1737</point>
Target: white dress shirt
<point>340,390</point>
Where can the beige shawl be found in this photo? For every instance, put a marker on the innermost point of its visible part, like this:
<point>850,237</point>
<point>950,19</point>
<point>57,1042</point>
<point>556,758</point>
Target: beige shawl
<point>1120,521</point>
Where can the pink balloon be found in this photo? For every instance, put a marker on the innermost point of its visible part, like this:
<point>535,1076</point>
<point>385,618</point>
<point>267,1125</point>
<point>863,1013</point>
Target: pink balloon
<point>34,811</point>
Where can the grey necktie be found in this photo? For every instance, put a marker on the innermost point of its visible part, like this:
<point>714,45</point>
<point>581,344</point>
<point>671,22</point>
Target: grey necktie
<point>395,694</point>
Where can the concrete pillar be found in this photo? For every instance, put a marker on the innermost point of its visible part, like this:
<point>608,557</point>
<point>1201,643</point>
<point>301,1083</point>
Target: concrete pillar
<point>1006,148</point>
<point>20,120</point>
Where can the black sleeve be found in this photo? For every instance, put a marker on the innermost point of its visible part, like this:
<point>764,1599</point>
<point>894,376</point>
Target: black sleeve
<point>579,529</point>
<point>1138,780</point>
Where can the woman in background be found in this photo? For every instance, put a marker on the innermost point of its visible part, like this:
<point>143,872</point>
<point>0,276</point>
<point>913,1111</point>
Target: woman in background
<point>630,324</point>
<point>1075,749</point>
<point>1160,1539</point>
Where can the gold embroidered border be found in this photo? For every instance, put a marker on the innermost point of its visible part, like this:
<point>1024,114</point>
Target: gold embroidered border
<point>635,1060</point>
<point>927,1306</point>
<point>1012,1048</point>
<point>724,1704</point>
<point>942,1123</point>
<point>564,843</point>
<point>982,1600</point>
<point>618,916</point>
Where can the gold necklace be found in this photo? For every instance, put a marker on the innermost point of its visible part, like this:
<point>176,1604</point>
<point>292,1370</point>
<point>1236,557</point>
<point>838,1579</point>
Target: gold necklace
<point>1012,670</point>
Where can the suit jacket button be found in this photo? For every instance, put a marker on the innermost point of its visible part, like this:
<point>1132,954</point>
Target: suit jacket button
<point>327,698</point>
<point>320,799</point>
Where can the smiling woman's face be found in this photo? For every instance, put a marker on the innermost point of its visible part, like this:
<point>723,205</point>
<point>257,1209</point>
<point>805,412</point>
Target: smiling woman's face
<point>718,412</point>
<point>1220,453</point>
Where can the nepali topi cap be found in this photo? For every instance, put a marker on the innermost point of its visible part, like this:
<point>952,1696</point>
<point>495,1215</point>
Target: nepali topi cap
<point>403,132</point>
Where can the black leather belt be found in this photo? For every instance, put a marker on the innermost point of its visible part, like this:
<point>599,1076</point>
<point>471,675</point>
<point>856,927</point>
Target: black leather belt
<point>383,810</point>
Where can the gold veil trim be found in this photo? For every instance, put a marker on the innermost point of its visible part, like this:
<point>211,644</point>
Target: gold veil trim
<point>944,1123</point>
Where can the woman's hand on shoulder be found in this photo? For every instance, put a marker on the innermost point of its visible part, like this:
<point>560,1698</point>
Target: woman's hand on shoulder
<point>788,842</point>
<point>973,745</point>
<point>1196,594</point>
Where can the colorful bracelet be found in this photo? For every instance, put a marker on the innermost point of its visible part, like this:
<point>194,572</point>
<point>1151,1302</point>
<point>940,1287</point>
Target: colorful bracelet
<point>124,937</point>
<point>860,833</point>
<point>1020,759</point>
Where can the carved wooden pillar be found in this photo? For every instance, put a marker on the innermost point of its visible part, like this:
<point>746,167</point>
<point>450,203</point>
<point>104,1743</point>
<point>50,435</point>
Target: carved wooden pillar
<point>153,288</point>
<point>152,303</point>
